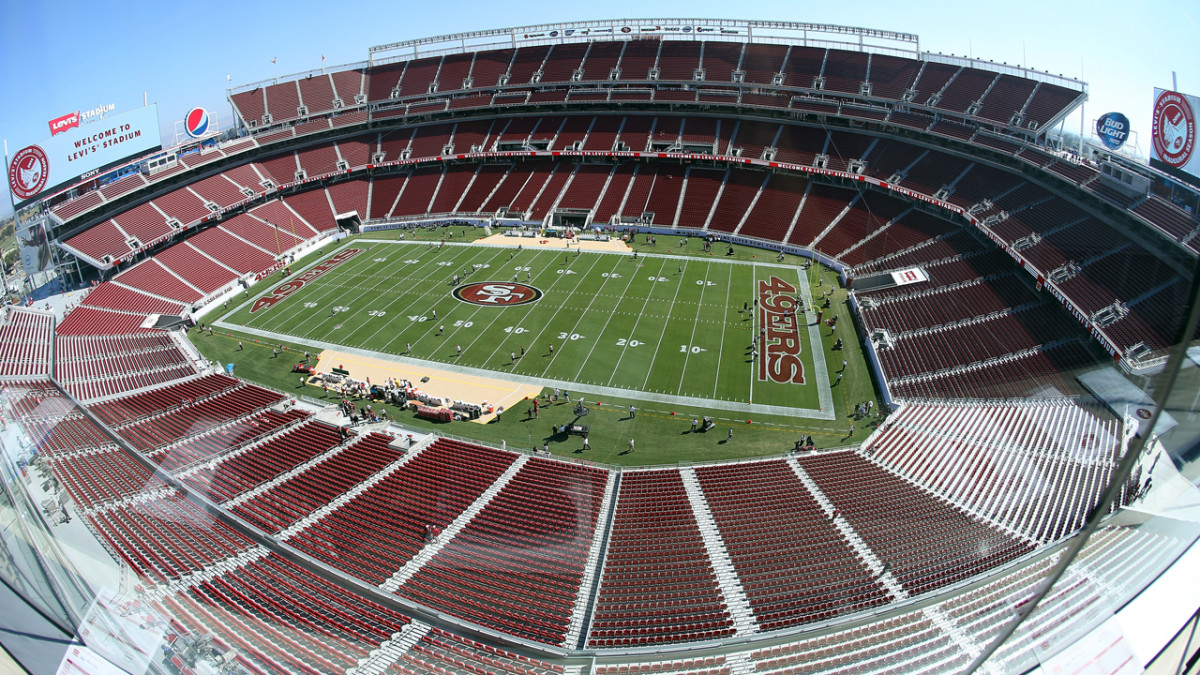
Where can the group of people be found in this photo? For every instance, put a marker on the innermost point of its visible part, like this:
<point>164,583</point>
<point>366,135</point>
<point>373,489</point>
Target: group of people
<point>366,414</point>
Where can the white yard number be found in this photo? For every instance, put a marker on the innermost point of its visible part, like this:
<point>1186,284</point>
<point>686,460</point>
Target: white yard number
<point>309,305</point>
<point>657,278</point>
<point>622,342</point>
<point>376,312</point>
<point>571,336</point>
<point>445,263</point>
<point>411,261</point>
<point>415,318</point>
<point>683,349</point>
<point>381,260</point>
<point>522,269</point>
<point>341,308</point>
<point>515,330</point>
<point>611,275</point>
<point>701,282</point>
<point>463,324</point>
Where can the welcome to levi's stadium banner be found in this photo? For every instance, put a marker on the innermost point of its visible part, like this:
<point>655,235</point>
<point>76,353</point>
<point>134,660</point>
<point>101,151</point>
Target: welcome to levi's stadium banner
<point>78,150</point>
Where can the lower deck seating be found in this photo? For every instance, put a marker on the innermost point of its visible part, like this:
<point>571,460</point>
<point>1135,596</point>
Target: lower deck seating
<point>192,418</point>
<point>296,498</point>
<point>1037,468</point>
<point>380,530</point>
<point>518,564</point>
<point>262,463</point>
<point>166,536</point>
<point>128,409</point>
<point>794,564</point>
<point>924,542</point>
<point>659,585</point>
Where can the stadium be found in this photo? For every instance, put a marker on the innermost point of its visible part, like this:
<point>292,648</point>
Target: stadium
<point>607,347</point>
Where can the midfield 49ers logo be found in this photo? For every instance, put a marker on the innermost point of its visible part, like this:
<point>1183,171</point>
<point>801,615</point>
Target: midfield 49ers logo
<point>497,294</point>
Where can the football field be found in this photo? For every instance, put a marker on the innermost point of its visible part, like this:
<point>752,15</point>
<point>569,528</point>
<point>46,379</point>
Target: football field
<point>725,335</point>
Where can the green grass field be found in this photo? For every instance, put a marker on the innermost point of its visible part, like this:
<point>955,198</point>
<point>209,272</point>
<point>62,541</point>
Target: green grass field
<point>665,332</point>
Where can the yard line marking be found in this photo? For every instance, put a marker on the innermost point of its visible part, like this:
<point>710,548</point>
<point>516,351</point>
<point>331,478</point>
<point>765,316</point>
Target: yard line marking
<point>721,352</point>
<point>392,320</point>
<point>824,393</point>
<point>602,392</point>
<point>657,347</point>
<point>695,323</point>
<point>608,320</point>
<point>636,321</point>
<point>437,290</point>
<point>546,293</point>
<point>753,331</point>
<point>440,321</point>
<point>290,311</point>
<point>572,292</point>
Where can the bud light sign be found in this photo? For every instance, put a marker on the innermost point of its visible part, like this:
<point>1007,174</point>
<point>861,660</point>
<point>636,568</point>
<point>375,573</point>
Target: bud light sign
<point>1113,129</point>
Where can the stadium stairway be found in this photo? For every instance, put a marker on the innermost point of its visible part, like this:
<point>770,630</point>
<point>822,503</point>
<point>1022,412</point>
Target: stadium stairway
<point>298,526</point>
<point>382,657</point>
<point>585,599</point>
<point>877,566</point>
<point>413,566</point>
<point>734,595</point>
<point>287,475</point>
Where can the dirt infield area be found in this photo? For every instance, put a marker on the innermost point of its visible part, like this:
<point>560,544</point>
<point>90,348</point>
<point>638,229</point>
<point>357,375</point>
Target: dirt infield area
<point>537,243</point>
<point>455,386</point>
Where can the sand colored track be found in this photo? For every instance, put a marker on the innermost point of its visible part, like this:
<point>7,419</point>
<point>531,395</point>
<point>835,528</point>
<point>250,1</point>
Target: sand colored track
<point>551,243</point>
<point>456,386</point>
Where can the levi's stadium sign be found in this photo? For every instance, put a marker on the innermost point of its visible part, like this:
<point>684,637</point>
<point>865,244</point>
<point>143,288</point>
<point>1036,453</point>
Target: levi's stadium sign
<point>76,149</point>
<point>72,120</point>
<point>1173,132</point>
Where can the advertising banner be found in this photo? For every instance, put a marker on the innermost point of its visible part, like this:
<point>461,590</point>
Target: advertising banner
<point>75,149</point>
<point>1113,130</point>
<point>1173,132</point>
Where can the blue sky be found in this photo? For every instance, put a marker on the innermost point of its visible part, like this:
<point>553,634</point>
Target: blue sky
<point>58,57</point>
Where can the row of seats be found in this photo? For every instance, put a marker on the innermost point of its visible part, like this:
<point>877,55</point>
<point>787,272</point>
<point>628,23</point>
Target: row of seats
<point>656,547</point>
<point>1038,468</point>
<point>793,564</point>
<point>381,529</point>
<point>949,87</point>
<point>518,564</point>
<point>924,542</point>
<point>192,418</point>
<point>96,478</point>
<point>26,342</point>
<point>264,462</point>
<point>166,536</point>
<point>129,409</point>
<point>224,439</point>
<point>297,497</point>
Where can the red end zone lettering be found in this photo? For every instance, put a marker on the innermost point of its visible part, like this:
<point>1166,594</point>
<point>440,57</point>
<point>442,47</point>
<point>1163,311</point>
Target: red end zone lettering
<point>779,335</point>
<point>297,283</point>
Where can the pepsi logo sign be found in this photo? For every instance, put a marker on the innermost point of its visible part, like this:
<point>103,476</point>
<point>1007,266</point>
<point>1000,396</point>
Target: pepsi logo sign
<point>497,294</point>
<point>195,123</point>
<point>1174,129</point>
<point>29,171</point>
